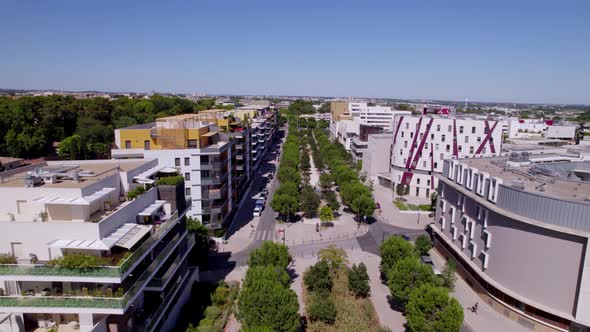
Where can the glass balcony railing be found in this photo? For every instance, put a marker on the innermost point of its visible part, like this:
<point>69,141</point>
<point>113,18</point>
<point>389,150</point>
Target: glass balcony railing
<point>101,271</point>
<point>98,302</point>
<point>183,249</point>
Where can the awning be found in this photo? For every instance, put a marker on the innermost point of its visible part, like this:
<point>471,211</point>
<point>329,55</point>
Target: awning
<point>151,209</point>
<point>210,133</point>
<point>133,236</point>
<point>86,200</point>
<point>79,244</point>
<point>145,176</point>
<point>168,170</point>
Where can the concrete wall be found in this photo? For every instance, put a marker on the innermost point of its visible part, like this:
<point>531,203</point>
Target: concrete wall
<point>376,158</point>
<point>535,263</point>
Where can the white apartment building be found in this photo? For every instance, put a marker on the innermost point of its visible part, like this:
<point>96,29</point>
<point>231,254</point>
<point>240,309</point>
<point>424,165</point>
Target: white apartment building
<point>379,116</point>
<point>421,143</point>
<point>135,247</point>
<point>539,129</point>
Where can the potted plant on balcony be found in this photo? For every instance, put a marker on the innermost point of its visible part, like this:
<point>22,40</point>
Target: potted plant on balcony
<point>44,216</point>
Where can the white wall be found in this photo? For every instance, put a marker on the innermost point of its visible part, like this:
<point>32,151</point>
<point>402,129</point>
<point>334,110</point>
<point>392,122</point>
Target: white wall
<point>376,157</point>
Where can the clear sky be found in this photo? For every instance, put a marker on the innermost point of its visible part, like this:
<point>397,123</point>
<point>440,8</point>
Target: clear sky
<point>518,50</point>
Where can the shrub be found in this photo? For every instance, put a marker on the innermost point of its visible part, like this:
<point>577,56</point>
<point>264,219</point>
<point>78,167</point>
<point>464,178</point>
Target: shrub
<point>423,245</point>
<point>332,200</point>
<point>219,297</point>
<point>170,180</point>
<point>318,277</point>
<point>322,308</point>
<point>326,214</point>
<point>335,256</point>
<point>7,258</point>
<point>448,276</point>
<point>133,194</point>
<point>358,280</point>
<point>77,261</point>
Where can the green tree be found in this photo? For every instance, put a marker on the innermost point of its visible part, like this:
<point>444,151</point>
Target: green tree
<point>285,205</point>
<point>358,280</point>
<point>359,165</point>
<point>270,253</point>
<point>318,277</point>
<point>71,148</point>
<point>201,234</point>
<point>310,201</point>
<point>431,309</point>
<point>394,249</point>
<point>402,190</point>
<point>288,174</point>
<point>326,214</point>
<point>269,272</point>
<point>433,199</point>
<point>266,302</point>
<point>326,181</point>
<point>448,277</point>
<point>363,205</point>
<point>336,257</point>
<point>423,244</point>
<point>406,275</point>
<point>125,121</point>
<point>332,200</point>
<point>322,308</point>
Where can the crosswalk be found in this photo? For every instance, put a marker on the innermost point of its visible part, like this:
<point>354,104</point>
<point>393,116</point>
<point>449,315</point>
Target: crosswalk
<point>265,235</point>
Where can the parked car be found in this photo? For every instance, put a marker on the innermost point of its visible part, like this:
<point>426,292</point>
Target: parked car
<point>258,209</point>
<point>426,259</point>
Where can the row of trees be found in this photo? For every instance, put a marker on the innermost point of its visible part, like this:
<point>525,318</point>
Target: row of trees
<point>265,302</point>
<point>423,295</point>
<point>30,125</point>
<point>354,193</point>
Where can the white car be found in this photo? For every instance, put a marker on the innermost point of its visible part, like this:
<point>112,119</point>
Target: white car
<point>257,210</point>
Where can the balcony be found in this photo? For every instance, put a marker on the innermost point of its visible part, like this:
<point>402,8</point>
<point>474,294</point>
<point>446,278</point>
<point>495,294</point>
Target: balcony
<point>239,146</point>
<point>214,180</point>
<point>119,272</point>
<point>217,193</point>
<point>118,303</point>
<point>239,157</point>
<point>161,281</point>
<point>213,165</point>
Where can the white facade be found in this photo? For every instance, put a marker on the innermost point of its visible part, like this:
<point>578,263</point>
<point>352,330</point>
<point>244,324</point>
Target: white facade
<point>379,116</point>
<point>561,132</point>
<point>376,157</point>
<point>539,128</point>
<point>421,143</point>
<point>52,210</point>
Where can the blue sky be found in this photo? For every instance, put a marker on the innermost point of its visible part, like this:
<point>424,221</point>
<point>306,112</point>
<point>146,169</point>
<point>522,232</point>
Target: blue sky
<point>521,51</point>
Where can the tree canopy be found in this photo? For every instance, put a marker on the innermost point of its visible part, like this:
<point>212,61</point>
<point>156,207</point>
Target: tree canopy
<point>430,308</point>
<point>270,254</point>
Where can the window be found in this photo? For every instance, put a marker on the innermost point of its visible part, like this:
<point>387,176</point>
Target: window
<point>402,134</point>
<point>437,127</point>
<point>436,146</point>
<point>473,130</point>
<point>478,139</point>
<point>146,145</point>
<point>466,139</point>
<point>442,138</point>
<point>448,149</point>
<point>401,152</point>
<point>471,149</point>
<point>432,136</point>
<point>176,161</point>
<point>450,128</point>
<point>435,165</point>
<point>405,144</point>
<point>407,125</point>
<point>417,181</point>
<point>424,163</point>
<point>411,135</point>
<point>417,192</point>
<point>460,148</point>
<point>204,159</point>
<point>187,176</point>
<point>421,135</point>
<point>427,192</point>
<point>187,161</point>
<point>442,156</point>
<point>460,129</point>
<point>187,191</point>
<point>486,130</point>
<point>127,144</point>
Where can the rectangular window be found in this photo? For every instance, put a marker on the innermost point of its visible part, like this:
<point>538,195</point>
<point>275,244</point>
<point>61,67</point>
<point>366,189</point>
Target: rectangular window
<point>427,182</point>
<point>450,128</point>
<point>460,129</point>
<point>432,136</point>
<point>437,127</point>
<point>187,176</point>
<point>401,151</point>
<point>427,192</point>
<point>411,135</point>
<point>187,191</point>
<point>424,163</point>
<point>407,125</point>
<point>402,134</point>
<point>405,144</point>
<point>471,149</point>
<point>435,165</point>
<point>436,146</point>
<point>176,162</point>
<point>442,139</point>
<point>417,192</point>
<point>466,139</point>
<point>187,161</point>
<point>473,130</point>
<point>418,181</point>
<point>478,139</point>
<point>127,144</point>
<point>448,148</point>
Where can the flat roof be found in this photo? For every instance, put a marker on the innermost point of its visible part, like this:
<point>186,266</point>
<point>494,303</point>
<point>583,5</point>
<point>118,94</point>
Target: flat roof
<point>534,182</point>
<point>179,117</point>
<point>89,172</point>
<point>4,160</point>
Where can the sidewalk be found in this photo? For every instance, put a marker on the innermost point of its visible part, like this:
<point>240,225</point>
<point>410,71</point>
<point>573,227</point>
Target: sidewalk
<point>486,319</point>
<point>391,214</point>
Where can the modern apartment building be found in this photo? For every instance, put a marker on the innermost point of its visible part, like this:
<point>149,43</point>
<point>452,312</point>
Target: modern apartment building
<point>518,228</point>
<point>195,148</point>
<point>539,128</point>
<point>359,144</point>
<point>216,151</point>
<point>421,143</point>
<point>84,250</point>
<point>347,117</point>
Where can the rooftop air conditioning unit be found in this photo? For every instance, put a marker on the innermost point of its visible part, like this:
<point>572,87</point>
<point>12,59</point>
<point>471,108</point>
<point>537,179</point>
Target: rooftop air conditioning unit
<point>517,184</point>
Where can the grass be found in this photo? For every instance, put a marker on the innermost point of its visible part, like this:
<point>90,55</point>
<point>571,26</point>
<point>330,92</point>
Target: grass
<point>354,314</point>
<point>411,207</point>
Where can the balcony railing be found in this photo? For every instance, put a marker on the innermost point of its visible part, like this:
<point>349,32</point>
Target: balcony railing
<point>217,193</point>
<point>101,271</point>
<point>96,302</point>
<point>185,248</point>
